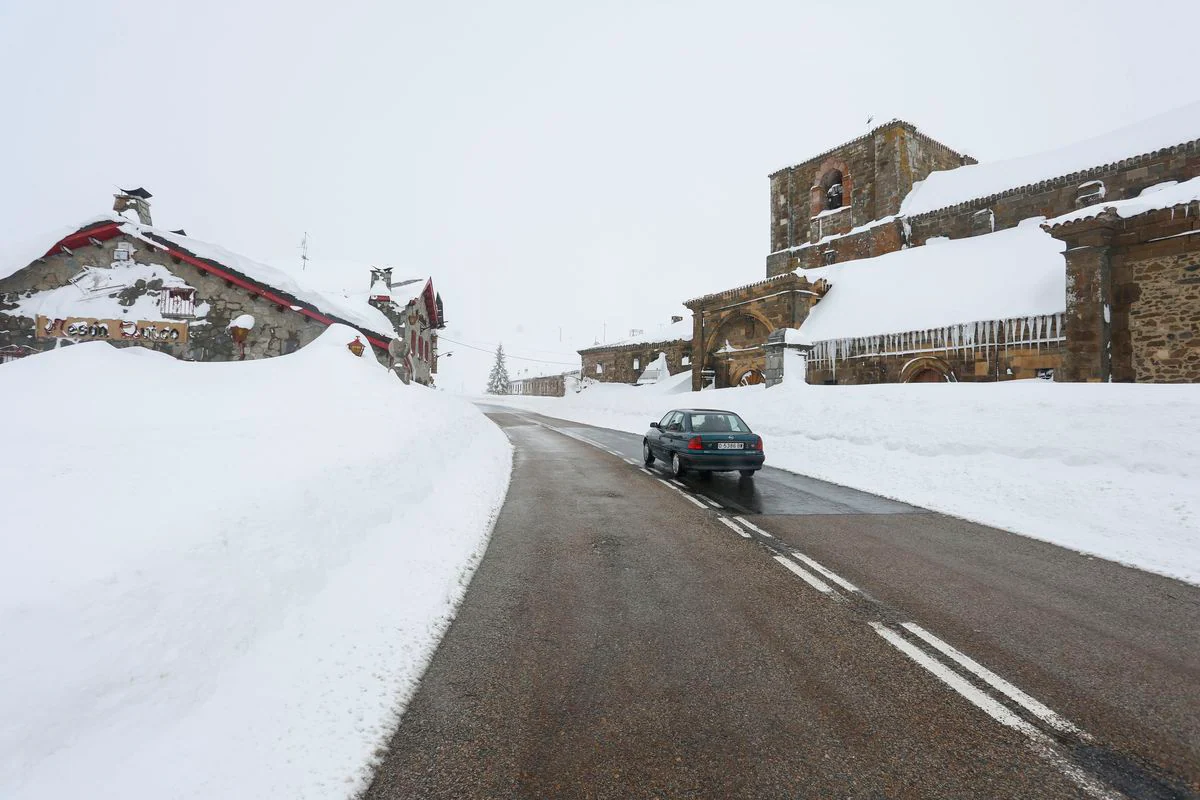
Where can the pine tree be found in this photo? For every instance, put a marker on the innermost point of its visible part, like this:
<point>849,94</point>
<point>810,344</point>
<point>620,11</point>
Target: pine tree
<point>498,380</point>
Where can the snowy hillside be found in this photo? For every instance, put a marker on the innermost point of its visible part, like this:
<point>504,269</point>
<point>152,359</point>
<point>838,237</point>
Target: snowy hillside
<point>1110,470</point>
<point>223,579</point>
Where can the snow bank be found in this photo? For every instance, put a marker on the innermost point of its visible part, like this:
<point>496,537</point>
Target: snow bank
<point>1017,272</point>
<point>1106,469</point>
<point>950,187</point>
<point>223,580</point>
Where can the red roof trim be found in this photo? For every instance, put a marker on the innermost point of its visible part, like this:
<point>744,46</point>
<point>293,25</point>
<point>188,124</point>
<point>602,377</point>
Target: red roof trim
<point>109,230</point>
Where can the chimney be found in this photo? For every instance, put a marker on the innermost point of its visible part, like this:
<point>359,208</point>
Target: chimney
<point>137,199</point>
<point>675,319</point>
<point>381,284</point>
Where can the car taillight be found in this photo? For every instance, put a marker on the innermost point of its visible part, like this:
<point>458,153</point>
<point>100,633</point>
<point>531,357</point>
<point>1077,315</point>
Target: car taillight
<point>695,443</point>
<point>758,443</point>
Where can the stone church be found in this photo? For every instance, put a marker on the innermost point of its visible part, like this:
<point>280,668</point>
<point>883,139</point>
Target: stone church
<point>900,259</point>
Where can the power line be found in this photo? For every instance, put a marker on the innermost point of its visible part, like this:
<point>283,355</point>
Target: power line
<point>507,355</point>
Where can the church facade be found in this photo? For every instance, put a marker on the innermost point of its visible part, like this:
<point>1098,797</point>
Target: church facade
<point>899,259</point>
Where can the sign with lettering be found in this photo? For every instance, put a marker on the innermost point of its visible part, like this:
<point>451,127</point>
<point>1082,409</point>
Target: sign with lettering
<point>117,330</point>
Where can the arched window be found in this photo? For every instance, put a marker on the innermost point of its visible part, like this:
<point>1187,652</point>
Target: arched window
<point>831,185</point>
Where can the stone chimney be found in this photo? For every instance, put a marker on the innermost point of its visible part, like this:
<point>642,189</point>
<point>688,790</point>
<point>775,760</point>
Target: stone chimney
<point>137,199</point>
<point>383,277</point>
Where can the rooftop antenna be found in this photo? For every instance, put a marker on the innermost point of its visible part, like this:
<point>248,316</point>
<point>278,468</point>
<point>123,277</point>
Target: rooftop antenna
<point>304,252</point>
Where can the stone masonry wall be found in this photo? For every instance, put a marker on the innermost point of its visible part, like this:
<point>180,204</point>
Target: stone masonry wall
<point>1164,319</point>
<point>981,365</point>
<point>1058,196</point>
<point>886,237</point>
<point>276,330</point>
<point>617,362</point>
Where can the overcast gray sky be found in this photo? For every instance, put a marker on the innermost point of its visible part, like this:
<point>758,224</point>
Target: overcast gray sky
<point>551,164</point>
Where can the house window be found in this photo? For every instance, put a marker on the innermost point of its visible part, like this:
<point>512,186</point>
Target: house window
<point>599,369</point>
<point>123,251</point>
<point>829,256</point>
<point>686,361</point>
<point>177,301</point>
<point>637,364</point>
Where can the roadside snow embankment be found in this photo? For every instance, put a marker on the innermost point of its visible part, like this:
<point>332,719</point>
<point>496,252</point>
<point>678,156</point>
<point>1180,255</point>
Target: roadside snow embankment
<point>1106,469</point>
<point>223,580</point>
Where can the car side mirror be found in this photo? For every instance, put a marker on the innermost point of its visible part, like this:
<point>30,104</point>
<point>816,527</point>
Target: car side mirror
<point>653,424</point>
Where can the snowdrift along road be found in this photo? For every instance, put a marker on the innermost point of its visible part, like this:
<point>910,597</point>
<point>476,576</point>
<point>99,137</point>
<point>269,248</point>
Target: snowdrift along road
<point>1106,469</point>
<point>223,580</point>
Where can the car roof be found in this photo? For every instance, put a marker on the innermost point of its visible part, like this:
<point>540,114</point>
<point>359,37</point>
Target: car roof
<point>704,411</point>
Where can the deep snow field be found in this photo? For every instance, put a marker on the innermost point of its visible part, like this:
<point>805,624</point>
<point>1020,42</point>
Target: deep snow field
<point>224,580</point>
<point>1112,470</point>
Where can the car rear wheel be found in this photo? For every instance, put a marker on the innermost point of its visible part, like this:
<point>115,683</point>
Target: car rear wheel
<point>747,473</point>
<point>677,466</point>
<point>647,454</point>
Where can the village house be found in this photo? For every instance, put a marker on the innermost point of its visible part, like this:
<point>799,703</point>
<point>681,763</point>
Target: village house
<point>625,360</point>
<point>119,279</point>
<point>899,259</point>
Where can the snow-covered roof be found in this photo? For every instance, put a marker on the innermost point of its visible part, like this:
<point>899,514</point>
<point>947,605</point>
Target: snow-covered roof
<point>1163,195</point>
<point>951,187</point>
<point>17,257</point>
<point>351,280</point>
<point>672,332</point>
<point>1011,273</point>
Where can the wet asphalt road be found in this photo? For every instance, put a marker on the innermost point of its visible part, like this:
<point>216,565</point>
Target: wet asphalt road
<point>627,637</point>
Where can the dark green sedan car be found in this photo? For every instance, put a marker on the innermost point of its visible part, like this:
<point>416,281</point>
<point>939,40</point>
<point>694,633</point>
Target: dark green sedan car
<point>703,440</point>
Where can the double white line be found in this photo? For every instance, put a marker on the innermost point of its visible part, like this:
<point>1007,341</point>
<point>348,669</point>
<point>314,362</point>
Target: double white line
<point>1040,742</point>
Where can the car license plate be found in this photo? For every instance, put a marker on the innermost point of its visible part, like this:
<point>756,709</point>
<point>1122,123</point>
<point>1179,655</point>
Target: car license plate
<point>730,445</point>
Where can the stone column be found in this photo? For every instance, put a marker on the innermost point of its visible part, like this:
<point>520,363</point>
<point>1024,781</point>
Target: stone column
<point>1088,352</point>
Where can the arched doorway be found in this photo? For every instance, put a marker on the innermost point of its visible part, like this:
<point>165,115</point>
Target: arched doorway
<point>927,369</point>
<point>750,377</point>
<point>927,375</point>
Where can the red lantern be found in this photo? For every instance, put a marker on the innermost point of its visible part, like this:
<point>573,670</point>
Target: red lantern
<point>357,347</point>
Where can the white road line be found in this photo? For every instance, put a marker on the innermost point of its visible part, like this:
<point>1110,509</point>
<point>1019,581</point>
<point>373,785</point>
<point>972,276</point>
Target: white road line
<point>728,524</point>
<point>828,573</point>
<point>712,503</point>
<point>1042,712</point>
<point>631,461</point>
<point>679,483</point>
<point>648,472</point>
<point>684,494</point>
<point>1041,743</point>
<point>753,527</point>
<point>805,575</point>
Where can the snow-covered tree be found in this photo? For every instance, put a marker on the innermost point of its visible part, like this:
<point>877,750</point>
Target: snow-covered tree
<point>498,379</point>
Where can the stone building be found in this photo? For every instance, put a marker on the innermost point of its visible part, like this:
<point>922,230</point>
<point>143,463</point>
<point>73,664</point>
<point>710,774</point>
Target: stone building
<point>544,385</point>
<point>415,312</point>
<point>623,361</point>
<point>899,259</point>
<point>119,279</point>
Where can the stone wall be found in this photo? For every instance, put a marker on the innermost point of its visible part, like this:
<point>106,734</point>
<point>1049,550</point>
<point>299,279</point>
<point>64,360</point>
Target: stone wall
<point>624,363</point>
<point>277,330</point>
<point>1164,318</point>
<point>885,237</point>
<point>1058,196</point>
<point>998,363</point>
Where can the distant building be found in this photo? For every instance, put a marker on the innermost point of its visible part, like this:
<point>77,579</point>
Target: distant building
<point>545,385</point>
<point>623,361</point>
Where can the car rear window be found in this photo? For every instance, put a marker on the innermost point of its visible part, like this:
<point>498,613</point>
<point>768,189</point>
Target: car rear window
<point>718,423</point>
